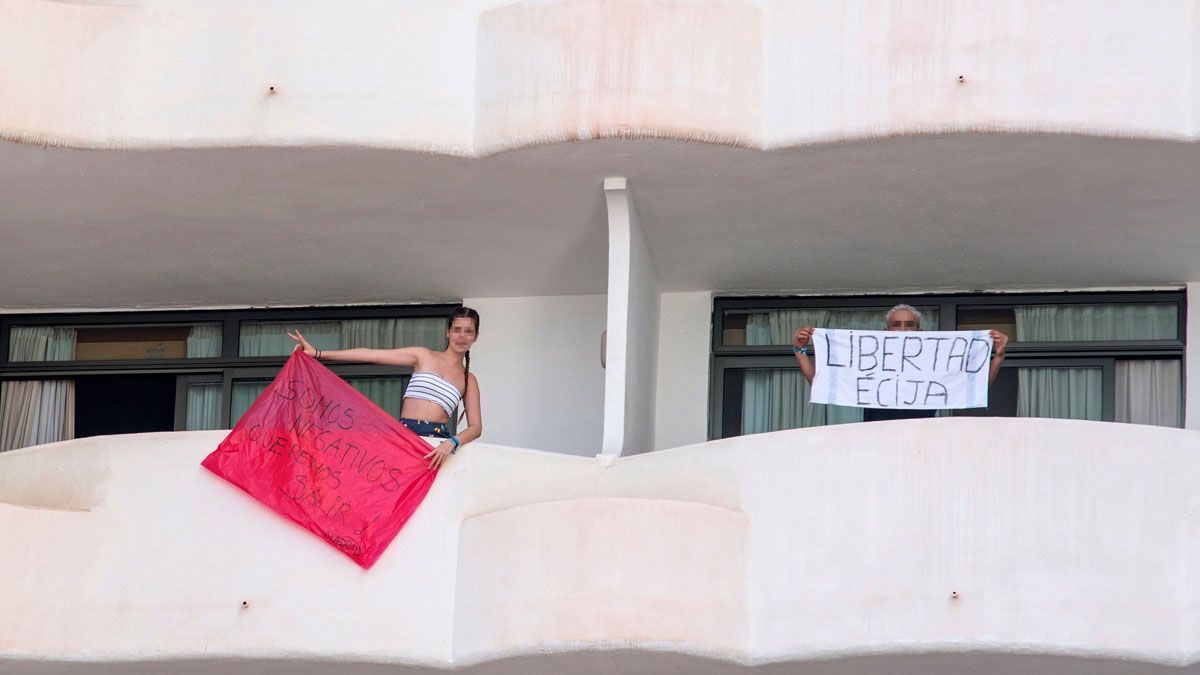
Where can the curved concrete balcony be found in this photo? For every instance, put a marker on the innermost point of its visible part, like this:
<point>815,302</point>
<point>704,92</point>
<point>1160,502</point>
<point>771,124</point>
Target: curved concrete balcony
<point>933,546</point>
<point>475,77</point>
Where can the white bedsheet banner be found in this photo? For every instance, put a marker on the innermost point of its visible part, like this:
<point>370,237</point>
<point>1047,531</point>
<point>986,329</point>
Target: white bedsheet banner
<point>920,370</point>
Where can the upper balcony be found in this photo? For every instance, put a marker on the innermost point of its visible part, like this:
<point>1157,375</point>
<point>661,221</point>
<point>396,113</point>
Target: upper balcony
<point>937,546</point>
<point>1002,139</point>
<point>472,78</point>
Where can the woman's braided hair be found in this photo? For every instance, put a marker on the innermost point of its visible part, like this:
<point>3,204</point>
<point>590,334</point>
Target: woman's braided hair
<point>458,313</point>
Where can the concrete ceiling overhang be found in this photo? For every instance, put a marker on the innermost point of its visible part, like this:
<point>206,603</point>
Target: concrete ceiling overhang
<point>105,229</point>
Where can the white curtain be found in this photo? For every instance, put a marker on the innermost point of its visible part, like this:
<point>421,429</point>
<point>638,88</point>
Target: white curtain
<point>204,341</point>
<point>1065,393</point>
<point>1147,392</point>
<point>203,406</point>
<point>33,412</point>
<point>1081,323</point>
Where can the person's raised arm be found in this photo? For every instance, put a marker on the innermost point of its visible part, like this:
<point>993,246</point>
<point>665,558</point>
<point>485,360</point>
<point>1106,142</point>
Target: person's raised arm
<point>999,345</point>
<point>801,338</point>
<point>404,356</point>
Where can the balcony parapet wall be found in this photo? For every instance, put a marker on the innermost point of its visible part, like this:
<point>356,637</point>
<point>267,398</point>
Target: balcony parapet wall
<point>477,77</point>
<point>989,541</point>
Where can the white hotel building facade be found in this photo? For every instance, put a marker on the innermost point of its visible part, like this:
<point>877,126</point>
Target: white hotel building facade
<point>643,199</point>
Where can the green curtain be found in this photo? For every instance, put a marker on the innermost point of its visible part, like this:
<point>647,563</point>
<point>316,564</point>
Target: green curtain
<point>778,398</point>
<point>385,392</point>
<point>1076,393</point>
<point>1065,393</point>
<point>203,406</point>
<point>1082,323</point>
<point>243,395</point>
<point>777,326</point>
<point>41,343</point>
<point>204,341</point>
<point>270,338</point>
<point>393,333</point>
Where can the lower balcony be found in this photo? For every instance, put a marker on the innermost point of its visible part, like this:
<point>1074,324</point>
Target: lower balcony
<point>948,545</point>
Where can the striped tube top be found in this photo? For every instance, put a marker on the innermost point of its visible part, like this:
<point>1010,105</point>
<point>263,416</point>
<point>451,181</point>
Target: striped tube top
<point>429,386</point>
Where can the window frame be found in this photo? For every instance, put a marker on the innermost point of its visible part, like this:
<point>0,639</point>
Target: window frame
<point>222,368</point>
<point>1103,353</point>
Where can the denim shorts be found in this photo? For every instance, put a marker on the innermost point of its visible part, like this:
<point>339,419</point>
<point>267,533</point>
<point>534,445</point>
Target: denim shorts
<point>427,428</point>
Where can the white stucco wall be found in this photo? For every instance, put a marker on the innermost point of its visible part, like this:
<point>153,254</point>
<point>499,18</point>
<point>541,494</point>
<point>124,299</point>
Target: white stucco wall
<point>478,76</point>
<point>838,544</point>
<point>580,69</point>
<point>397,74</point>
<point>684,346</point>
<point>538,364</point>
<point>631,375</point>
<point>881,68</point>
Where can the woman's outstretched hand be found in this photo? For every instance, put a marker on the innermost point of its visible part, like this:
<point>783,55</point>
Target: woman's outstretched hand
<point>301,343</point>
<point>440,454</point>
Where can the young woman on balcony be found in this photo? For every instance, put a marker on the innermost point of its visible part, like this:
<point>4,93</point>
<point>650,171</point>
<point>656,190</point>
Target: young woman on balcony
<point>433,393</point>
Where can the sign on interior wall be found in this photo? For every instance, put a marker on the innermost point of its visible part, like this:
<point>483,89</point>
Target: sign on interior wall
<point>901,369</point>
<point>318,452</point>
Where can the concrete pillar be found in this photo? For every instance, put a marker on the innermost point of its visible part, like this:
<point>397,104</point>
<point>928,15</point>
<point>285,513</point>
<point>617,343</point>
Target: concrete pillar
<point>631,373</point>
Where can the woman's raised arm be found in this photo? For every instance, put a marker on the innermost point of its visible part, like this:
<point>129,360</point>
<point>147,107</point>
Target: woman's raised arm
<point>404,356</point>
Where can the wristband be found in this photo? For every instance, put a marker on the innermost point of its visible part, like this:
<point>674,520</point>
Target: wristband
<point>801,350</point>
<point>456,442</point>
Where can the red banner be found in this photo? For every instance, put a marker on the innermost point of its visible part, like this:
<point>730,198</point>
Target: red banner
<point>315,450</point>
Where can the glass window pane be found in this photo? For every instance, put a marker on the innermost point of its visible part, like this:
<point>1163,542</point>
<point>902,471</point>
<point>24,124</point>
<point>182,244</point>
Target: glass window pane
<point>203,407</point>
<point>269,338</point>
<point>1086,323</point>
<point>263,338</point>
<point>109,343</point>
<point>776,326</point>
<point>1002,319</point>
<point>1002,397</point>
<point>385,392</point>
<point>243,396</point>
<point>771,399</point>
<point>1148,392</point>
<point>1060,392</point>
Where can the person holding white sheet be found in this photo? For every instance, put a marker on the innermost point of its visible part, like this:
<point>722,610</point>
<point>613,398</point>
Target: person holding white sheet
<point>899,318</point>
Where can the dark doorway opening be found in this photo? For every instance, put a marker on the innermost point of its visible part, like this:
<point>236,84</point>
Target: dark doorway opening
<point>124,404</point>
<point>1002,397</point>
